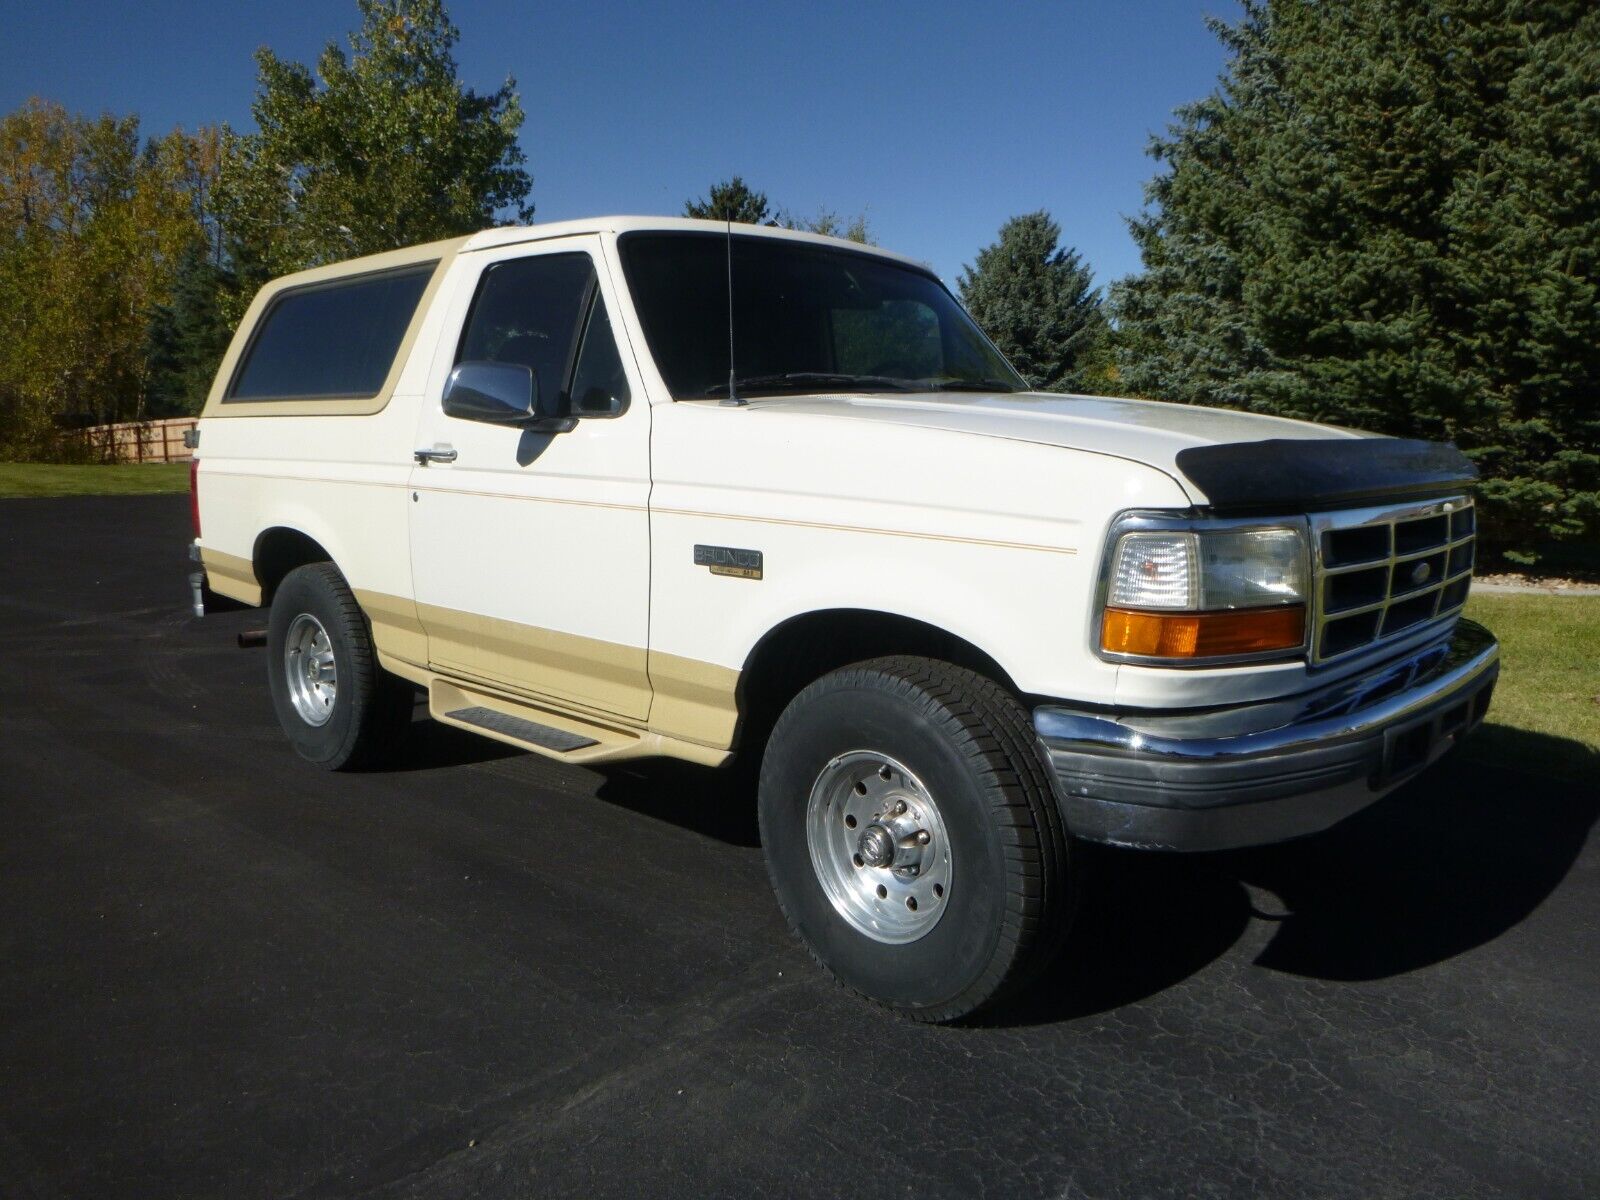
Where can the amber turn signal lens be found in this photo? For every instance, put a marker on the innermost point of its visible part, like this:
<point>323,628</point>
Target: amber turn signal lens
<point>1204,634</point>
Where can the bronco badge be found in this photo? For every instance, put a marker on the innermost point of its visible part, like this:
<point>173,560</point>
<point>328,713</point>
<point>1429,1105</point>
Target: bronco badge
<point>725,560</point>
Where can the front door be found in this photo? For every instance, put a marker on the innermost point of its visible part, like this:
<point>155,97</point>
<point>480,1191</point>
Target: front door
<point>530,551</point>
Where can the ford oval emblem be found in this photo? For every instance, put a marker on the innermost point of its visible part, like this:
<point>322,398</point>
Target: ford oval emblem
<point>1420,573</point>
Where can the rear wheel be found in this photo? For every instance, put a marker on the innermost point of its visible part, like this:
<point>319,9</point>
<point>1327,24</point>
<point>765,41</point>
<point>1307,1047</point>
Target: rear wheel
<point>336,705</point>
<point>912,836</point>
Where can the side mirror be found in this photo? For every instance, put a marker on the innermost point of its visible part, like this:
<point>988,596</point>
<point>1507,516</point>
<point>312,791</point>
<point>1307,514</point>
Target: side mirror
<point>501,394</point>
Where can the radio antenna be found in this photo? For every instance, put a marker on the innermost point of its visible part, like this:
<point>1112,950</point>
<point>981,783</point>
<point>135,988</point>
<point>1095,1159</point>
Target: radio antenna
<point>733,379</point>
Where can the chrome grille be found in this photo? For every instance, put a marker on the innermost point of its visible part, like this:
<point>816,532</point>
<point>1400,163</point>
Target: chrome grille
<point>1385,572</point>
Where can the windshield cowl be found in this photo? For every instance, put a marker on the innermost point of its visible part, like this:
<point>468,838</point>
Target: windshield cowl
<point>818,382</point>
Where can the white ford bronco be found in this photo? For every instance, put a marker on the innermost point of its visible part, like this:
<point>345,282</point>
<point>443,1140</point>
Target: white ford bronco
<point>628,487</point>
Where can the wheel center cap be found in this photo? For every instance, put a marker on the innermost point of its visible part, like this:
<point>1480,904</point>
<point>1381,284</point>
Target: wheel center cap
<point>876,846</point>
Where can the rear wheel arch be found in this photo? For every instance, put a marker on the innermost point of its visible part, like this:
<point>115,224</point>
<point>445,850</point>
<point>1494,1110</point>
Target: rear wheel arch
<point>278,551</point>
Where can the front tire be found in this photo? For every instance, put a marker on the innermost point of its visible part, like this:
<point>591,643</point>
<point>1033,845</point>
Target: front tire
<point>912,836</point>
<point>337,707</point>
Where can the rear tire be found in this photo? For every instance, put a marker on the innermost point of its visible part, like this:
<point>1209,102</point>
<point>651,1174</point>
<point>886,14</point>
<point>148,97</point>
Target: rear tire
<point>338,708</point>
<point>912,836</point>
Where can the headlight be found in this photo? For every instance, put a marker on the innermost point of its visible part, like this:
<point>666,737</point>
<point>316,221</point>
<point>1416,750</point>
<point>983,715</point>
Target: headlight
<point>1249,568</point>
<point>1200,594</point>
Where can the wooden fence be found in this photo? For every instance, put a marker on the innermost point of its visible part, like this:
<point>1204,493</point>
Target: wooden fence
<point>138,441</point>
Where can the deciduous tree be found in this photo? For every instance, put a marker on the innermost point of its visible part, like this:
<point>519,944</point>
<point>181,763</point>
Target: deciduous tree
<point>92,229</point>
<point>383,148</point>
<point>830,224</point>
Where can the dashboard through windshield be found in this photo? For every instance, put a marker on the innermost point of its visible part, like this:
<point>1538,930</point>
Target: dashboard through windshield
<point>806,318</point>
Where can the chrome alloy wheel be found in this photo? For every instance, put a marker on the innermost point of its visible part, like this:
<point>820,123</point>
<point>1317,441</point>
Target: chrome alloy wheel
<point>878,846</point>
<point>309,669</point>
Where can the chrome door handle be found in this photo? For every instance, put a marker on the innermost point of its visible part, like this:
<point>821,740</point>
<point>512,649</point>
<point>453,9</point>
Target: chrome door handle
<point>436,454</point>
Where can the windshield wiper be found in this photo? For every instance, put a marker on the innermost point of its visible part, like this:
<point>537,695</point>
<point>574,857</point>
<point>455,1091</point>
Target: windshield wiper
<point>807,379</point>
<point>952,384</point>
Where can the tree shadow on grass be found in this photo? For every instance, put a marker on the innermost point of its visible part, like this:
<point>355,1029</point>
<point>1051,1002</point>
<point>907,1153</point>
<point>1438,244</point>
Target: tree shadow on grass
<point>1448,863</point>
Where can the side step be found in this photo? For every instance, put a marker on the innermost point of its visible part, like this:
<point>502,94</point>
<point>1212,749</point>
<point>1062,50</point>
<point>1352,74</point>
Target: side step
<point>553,730</point>
<point>544,728</point>
<point>562,741</point>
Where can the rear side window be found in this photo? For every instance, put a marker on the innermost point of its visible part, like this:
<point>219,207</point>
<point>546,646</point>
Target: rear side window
<point>331,341</point>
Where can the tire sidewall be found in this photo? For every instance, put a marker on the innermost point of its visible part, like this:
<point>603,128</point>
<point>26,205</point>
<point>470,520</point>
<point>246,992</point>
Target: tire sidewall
<point>307,590</point>
<point>958,953</point>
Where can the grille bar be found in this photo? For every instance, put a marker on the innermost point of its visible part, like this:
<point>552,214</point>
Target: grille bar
<point>1384,572</point>
<point>1399,558</point>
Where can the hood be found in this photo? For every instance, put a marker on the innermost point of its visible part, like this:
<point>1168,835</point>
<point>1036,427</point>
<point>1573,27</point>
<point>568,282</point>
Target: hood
<point>1143,431</point>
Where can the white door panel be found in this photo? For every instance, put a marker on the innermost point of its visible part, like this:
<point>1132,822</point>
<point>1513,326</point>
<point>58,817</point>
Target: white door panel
<point>530,552</point>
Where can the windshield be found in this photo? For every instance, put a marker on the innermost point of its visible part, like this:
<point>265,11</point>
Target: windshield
<point>806,319</point>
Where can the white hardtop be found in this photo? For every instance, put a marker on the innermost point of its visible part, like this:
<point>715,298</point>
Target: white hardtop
<point>509,235</point>
<point>502,236</point>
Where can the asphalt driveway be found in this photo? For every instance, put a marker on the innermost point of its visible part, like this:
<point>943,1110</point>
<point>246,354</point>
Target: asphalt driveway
<point>225,973</point>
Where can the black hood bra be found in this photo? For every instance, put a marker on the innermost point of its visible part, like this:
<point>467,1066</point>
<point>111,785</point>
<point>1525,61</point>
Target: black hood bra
<point>1322,473</point>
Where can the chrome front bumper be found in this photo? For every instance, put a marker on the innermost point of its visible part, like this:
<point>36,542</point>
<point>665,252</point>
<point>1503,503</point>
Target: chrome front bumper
<point>1257,773</point>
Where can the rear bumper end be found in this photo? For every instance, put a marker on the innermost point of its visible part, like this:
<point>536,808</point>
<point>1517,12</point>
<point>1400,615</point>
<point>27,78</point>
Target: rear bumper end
<point>1258,773</point>
<point>197,578</point>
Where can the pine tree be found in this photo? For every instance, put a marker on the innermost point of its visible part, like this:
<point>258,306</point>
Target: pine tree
<point>731,200</point>
<point>187,336</point>
<point>1036,301</point>
<point>1388,216</point>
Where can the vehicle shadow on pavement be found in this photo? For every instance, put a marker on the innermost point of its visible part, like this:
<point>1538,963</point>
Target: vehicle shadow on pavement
<point>715,803</point>
<point>1446,864</point>
<point>431,744</point>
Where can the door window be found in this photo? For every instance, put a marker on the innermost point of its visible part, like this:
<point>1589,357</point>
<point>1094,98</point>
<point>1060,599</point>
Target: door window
<point>599,384</point>
<point>530,311</point>
<point>547,313</point>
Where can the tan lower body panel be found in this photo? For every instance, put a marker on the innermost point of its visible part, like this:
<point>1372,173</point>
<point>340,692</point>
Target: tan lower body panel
<point>231,576</point>
<point>693,699</point>
<point>591,683</point>
<point>603,741</point>
<point>395,629</point>
<point>584,671</point>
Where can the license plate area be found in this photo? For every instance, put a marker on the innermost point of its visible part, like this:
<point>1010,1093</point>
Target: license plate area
<point>1410,747</point>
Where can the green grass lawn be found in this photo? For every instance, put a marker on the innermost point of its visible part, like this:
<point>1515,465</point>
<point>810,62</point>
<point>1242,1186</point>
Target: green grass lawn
<point>1545,717</point>
<point>125,479</point>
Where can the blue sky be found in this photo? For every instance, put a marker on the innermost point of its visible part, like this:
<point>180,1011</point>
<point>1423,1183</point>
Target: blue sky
<point>939,119</point>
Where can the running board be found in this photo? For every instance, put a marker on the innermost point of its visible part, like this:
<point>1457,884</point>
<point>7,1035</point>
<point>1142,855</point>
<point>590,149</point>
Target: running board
<point>552,730</point>
<point>520,729</point>
<point>531,725</point>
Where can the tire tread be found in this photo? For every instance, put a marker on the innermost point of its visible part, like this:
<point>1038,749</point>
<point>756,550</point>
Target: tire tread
<point>991,728</point>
